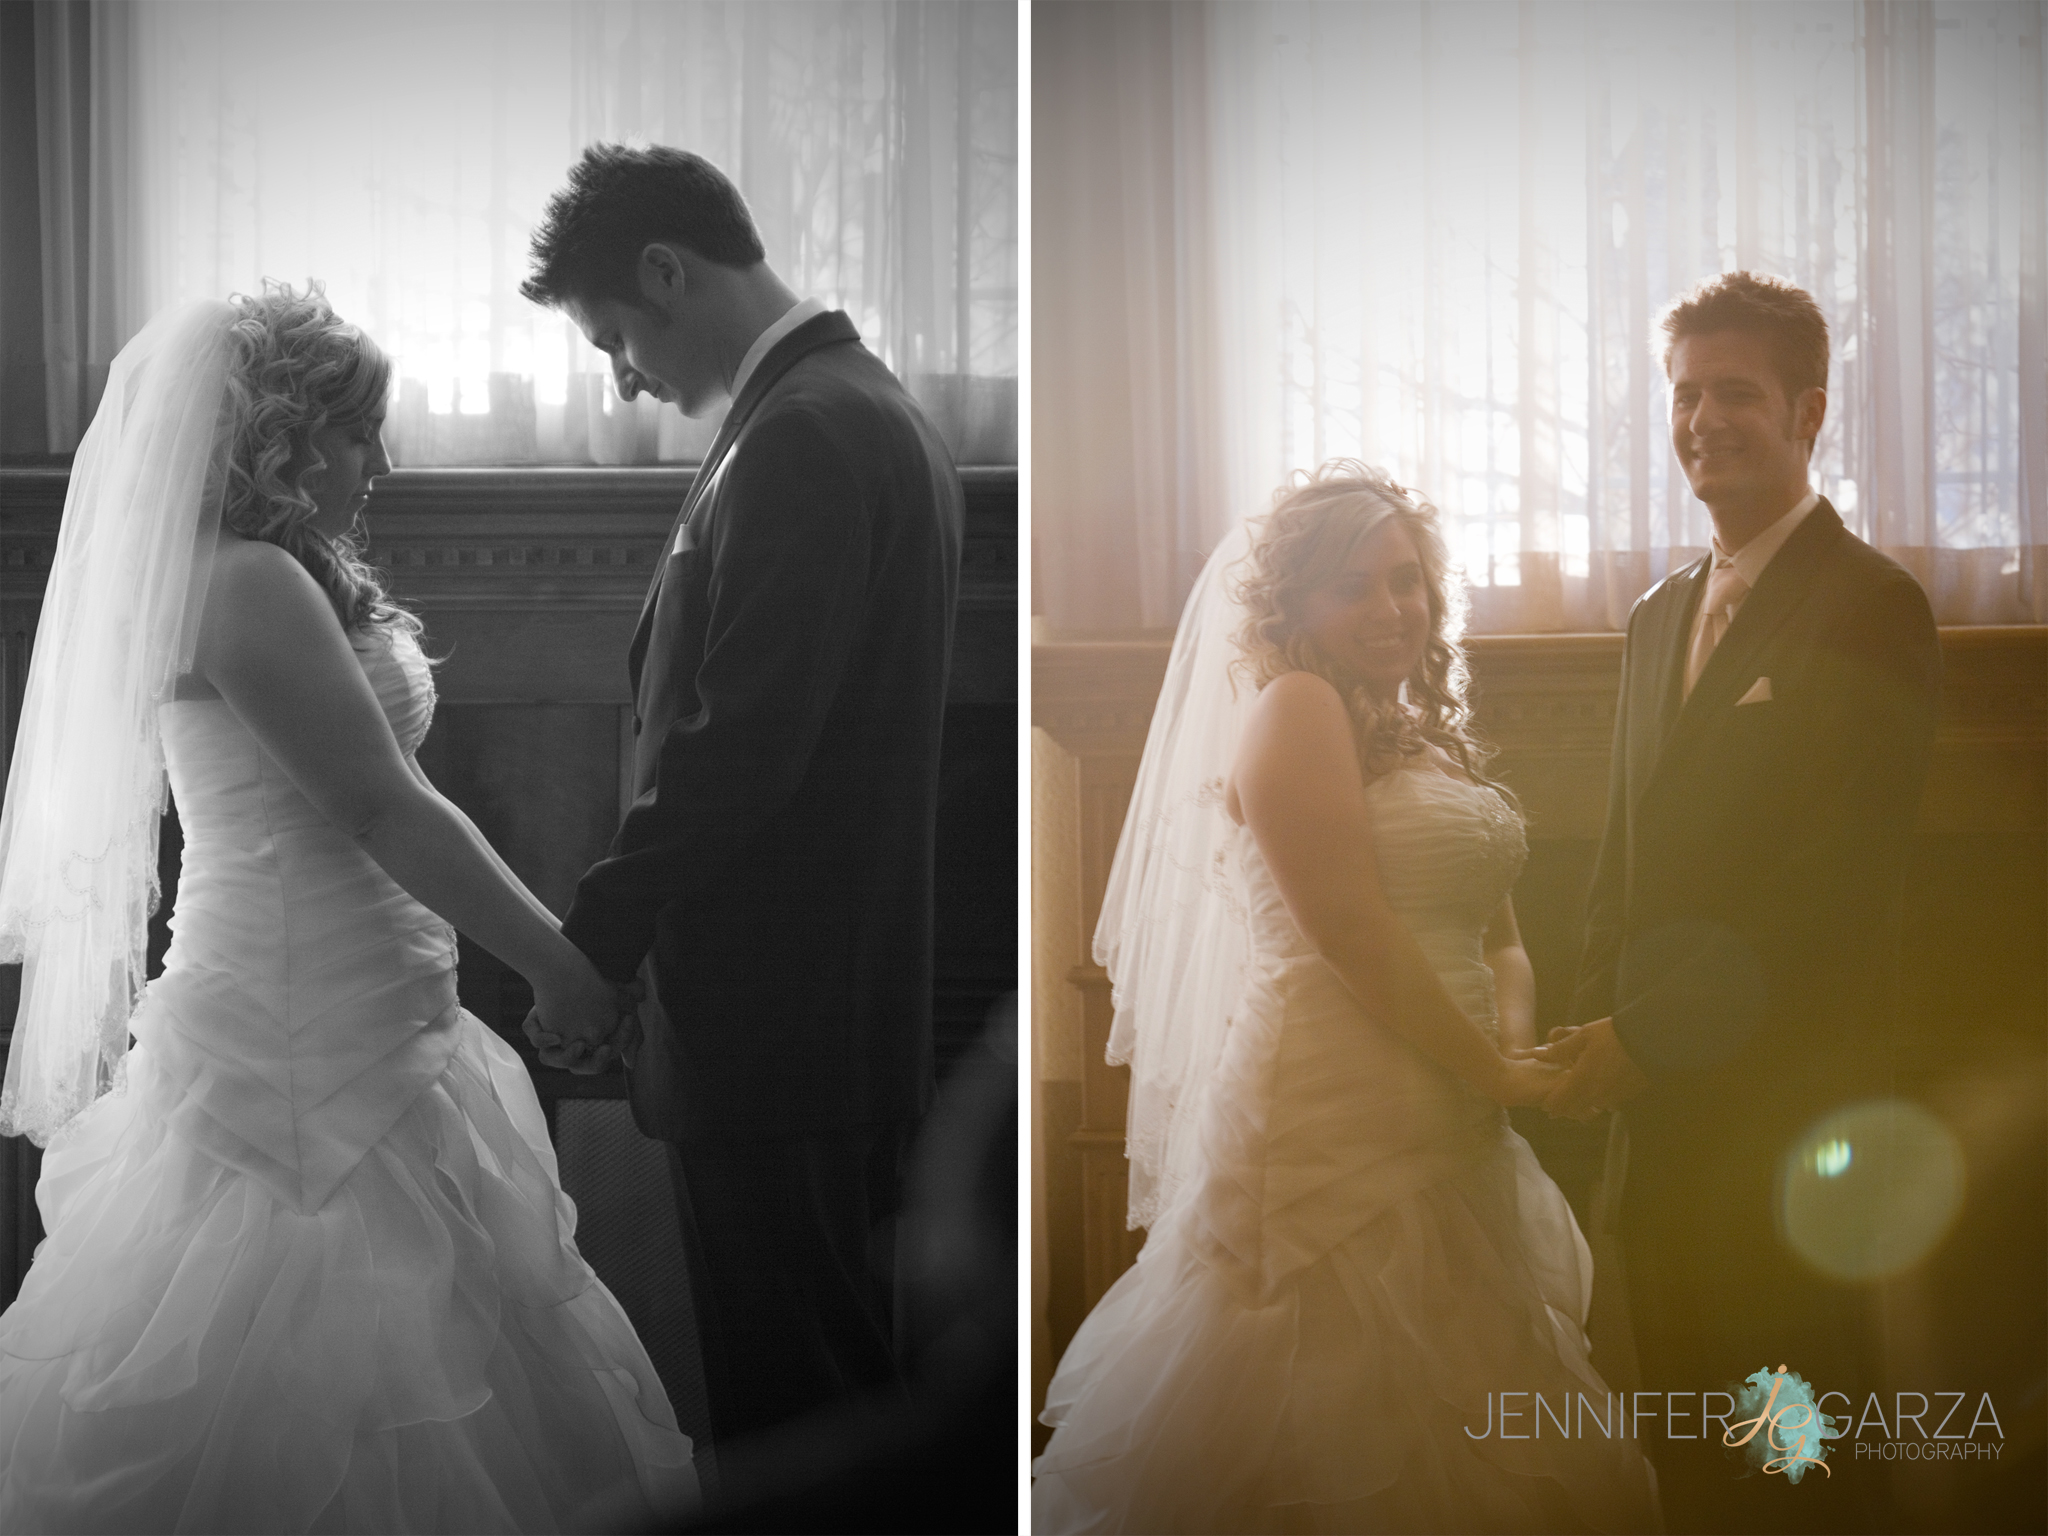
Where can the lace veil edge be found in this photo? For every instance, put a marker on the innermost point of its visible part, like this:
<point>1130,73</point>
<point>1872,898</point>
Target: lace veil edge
<point>1173,931</point>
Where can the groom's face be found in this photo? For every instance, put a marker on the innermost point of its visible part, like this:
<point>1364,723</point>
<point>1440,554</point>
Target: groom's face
<point>653,345</point>
<point>1739,439</point>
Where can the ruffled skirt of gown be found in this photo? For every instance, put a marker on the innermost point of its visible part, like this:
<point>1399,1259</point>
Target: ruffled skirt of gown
<point>424,1352</point>
<point>1340,1400</point>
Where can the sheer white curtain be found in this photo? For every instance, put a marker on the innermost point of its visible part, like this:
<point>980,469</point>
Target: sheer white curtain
<point>1438,237</point>
<point>402,154</point>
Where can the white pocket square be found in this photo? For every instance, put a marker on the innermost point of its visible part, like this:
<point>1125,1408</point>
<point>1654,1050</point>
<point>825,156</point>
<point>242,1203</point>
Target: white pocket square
<point>1759,693</point>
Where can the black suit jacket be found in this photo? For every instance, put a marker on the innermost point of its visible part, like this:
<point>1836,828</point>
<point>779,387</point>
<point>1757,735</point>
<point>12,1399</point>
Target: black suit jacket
<point>1742,929</point>
<point>789,676</point>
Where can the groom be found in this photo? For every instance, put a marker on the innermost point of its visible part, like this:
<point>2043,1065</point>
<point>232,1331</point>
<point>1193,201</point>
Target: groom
<point>774,873</point>
<point>1777,708</point>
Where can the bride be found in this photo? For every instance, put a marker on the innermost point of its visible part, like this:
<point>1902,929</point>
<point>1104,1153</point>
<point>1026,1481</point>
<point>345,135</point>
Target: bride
<point>1324,1000</point>
<point>309,1267</point>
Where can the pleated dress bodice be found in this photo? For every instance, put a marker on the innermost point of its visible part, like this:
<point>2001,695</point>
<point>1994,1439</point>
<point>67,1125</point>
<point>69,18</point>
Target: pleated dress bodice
<point>1319,1116</point>
<point>1448,853</point>
<point>306,999</point>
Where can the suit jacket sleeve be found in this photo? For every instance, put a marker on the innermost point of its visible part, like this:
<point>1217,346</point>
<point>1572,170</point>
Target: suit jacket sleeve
<point>790,556</point>
<point>1821,901</point>
<point>1600,954</point>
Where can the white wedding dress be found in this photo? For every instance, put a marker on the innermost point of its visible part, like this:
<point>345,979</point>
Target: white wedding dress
<point>309,1266</point>
<point>1365,1253</point>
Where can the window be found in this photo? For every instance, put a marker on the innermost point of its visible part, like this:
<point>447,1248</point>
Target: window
<point>1438,238</point>
<point>402,154</point>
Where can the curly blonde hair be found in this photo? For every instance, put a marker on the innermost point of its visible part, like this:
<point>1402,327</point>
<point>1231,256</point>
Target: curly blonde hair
<point>1316,523</point>
<point>297,368</point>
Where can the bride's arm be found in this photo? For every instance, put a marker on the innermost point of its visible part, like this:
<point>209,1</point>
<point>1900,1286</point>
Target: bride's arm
<point>1514,980</point>
<point>483,845</point>
<point>271,645</point>
<point>584,1054</point>
<point>1303,794</point>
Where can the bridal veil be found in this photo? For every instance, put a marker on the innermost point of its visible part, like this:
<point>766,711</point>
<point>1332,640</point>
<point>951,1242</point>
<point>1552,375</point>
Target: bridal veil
<point>1173,933</point>
<point>86,789</point>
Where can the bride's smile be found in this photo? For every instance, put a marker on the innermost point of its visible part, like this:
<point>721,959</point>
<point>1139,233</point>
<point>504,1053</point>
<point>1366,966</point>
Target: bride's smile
<point>1372,617</point>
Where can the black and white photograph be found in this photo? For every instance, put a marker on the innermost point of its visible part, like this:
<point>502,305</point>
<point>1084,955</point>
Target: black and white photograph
<point>508,869</point>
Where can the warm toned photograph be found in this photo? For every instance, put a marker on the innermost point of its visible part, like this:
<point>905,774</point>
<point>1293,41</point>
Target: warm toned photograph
<point>1539,763</point>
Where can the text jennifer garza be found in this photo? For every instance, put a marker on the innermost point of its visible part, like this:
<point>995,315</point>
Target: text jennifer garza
<point>1625,1415</point>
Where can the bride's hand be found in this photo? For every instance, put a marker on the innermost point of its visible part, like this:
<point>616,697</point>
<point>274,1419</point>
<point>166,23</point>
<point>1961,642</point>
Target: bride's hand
<point>576,1021</point>
<point>1520,1080</point>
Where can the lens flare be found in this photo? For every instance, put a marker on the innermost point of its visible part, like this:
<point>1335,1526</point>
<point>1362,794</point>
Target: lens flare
<point>1869,1190</point>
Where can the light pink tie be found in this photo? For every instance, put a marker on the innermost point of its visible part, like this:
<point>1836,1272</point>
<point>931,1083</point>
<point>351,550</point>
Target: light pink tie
<point>1725,588</point>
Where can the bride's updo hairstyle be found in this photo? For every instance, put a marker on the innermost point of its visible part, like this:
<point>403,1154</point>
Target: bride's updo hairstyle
<point>298,367</point>
<point>1307,539</point>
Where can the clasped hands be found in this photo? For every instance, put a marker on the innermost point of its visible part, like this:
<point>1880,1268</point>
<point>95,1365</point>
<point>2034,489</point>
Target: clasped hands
<point>587,1025</point>
<point>1584,1071</point>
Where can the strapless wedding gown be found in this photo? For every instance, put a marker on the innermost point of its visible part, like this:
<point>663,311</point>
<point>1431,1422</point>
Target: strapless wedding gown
<point>1310,1334</point>
<point>309,1265</point>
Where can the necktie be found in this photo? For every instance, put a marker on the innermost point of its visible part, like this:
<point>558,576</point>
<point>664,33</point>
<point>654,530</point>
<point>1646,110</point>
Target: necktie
<point>1725,588</point>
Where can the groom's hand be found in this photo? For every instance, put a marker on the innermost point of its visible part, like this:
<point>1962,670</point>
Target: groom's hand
<point>626,1042</point>
<point>588,1046</point>
<point>1599,1076</point>
<point>581,1054</point>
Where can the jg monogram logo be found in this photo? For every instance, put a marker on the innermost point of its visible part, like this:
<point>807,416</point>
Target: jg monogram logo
<point>1794,1430</point>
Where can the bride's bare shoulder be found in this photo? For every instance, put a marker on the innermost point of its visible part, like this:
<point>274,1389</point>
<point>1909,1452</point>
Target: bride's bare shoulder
<point>1298,725</point>
<point>261,599</point>
<point>1296,699</point>
<point>240,557</point>
<point>254,577</point>
<point>1301,716</point>
<point>250,582</point>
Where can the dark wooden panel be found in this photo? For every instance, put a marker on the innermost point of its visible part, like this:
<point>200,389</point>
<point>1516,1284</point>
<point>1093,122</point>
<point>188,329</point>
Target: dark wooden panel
<point>976,878</point>
<point>539,780</point>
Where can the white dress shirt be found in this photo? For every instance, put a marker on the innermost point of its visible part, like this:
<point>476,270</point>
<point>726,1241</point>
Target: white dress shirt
<point>794,316</point>
<point>1750,560</point>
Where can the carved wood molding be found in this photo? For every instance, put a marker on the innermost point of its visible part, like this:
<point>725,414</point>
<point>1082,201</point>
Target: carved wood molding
<point>1096,697</point>
<point>565,553</point>
<point>571,537</point>
<point>1547,702</point>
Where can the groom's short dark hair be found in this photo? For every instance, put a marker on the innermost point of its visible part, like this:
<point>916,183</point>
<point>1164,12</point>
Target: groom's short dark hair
<point>1781,314</point>
<point>618,201</point>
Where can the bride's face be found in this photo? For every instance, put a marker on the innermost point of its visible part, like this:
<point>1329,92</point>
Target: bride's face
<point>1372,617</point>
<point>355,456</point>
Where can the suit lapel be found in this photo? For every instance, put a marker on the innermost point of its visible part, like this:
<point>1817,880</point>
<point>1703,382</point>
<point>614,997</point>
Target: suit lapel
<point>818,331</point>
<point>1686,592</point>
<point>1786,583</point>
<point>1654,682</point>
